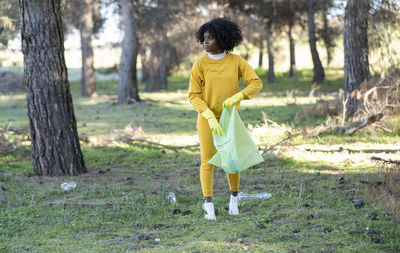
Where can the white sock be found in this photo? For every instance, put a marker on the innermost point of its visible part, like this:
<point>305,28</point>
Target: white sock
<point>209,208</point>
<point>233,205</point>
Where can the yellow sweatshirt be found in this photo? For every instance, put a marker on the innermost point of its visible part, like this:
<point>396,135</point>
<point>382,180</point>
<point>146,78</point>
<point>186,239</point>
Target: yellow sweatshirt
<point>213,81</point>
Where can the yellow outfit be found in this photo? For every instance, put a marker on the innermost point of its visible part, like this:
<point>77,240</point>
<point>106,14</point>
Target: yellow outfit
<point>211,83</point>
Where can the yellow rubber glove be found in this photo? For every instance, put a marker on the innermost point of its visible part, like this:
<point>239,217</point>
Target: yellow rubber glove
<point>234,99</point>
<point>212,121</point>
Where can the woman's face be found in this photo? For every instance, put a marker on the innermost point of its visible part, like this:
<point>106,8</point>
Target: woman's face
<point>211,45</point>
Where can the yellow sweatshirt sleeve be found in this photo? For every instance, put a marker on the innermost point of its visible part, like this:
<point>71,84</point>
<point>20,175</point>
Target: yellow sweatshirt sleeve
<point>195,89</point>
<point>249,76</point>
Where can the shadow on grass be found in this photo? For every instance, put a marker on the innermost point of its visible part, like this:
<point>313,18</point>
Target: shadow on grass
<point>281,114</point>
<point>301,85</point>
<point>356,151</point>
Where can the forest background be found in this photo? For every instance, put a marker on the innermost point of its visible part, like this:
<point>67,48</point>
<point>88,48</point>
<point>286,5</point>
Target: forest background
<point>331,146</point>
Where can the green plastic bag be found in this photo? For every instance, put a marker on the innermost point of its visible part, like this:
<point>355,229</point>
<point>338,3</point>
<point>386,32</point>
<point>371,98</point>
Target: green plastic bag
<point>236,150</point>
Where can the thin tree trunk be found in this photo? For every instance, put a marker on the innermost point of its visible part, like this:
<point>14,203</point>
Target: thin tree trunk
<point>355,37</point>
<point>163,44</point>
<point>127,86</point>
<point>88,82</point>
<point>319,74</point>
<point>153,82</point>
<point>145,64</point>
<point>270,48</point>
<point>292,71</point>
<point>261,53</point>
<point>163,67</point>
<point>54,136</point>
<point>327,44</point>
<point>163,63</point>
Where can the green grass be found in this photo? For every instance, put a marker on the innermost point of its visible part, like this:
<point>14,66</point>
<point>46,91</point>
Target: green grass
<point>124,205</point>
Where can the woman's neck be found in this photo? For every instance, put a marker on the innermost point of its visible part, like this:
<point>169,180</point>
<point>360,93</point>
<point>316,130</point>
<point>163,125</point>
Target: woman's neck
<point>217,56</point>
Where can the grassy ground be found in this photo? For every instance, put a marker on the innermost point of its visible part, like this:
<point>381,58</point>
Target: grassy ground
<point>121,204</point>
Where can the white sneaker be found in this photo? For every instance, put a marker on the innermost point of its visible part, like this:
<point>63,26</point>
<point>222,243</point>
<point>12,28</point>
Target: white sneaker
<point>209,208</point>
<point>233,205</point>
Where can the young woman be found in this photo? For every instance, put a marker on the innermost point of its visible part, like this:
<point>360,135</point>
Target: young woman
<point>214,83</point>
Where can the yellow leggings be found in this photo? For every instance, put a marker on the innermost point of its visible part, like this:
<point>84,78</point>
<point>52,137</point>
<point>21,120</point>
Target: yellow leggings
<point>207,150</point>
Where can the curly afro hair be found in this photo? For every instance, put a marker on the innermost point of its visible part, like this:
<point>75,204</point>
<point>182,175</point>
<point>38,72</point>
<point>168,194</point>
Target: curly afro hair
<point>227,33</point>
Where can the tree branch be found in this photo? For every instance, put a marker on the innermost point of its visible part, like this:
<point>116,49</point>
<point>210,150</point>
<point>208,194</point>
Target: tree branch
<point>374,158</point>
<point>290,136</point>
<point>367,121</point>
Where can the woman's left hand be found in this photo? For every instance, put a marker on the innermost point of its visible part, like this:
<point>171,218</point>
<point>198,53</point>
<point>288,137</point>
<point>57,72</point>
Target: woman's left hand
<point>234,99</point>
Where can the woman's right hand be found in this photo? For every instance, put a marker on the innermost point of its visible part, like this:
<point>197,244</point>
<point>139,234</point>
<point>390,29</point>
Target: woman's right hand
<point>212,121</point>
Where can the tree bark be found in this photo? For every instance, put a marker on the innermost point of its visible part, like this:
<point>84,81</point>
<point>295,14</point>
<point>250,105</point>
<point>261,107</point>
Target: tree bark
<point>328,44</point>
<point>163,44</point>
<point>261,53</point>
<point>86,24</point>
<point>54,136</point>
<point>153,81</point>
<point>270,48</point>
<point>355,37</point>
<point>163,63</point>
<point>145,64</point>
<point>292,71</point>
<point>319,74</point>
<point>127,87</point>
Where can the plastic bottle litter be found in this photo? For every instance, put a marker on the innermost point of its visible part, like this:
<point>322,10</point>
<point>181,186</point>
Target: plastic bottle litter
<point>171,197</point>
<point>261,195</point>
<point>67,186</point>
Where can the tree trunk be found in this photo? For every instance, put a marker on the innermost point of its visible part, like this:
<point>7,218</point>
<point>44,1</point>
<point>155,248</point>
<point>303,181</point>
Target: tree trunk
<point>88,82</point>
<point>163,44</point>
<point>127,86</point>
<point>260,56</point>
<point>145,64</point>
<point>292,71</point>
<point>319,75</point>
<point>355,37</point>
<point>328,44</point>
<point>153,82</point>
<point>163,67</point>
<point>163,62</point>
<point>54,137</point>
<point>271,71</point>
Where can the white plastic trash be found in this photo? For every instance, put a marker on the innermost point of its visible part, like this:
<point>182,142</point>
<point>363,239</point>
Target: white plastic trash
<point>262,195</point>
<point>67,186</point>
<point>171,197</point>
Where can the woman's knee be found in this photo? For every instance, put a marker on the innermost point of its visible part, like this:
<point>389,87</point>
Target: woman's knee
<point>205,166</point>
